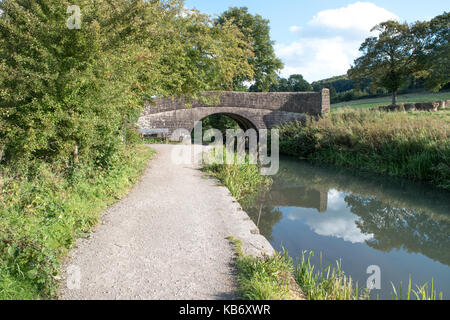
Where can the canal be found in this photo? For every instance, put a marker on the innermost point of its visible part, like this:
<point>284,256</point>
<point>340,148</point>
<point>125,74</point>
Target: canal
<point>361,219</point>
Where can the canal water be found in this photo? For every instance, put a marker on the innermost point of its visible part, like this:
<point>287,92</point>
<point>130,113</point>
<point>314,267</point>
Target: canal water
<point>362,220</point>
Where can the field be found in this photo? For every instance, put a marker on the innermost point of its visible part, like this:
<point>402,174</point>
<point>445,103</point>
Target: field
<point>405,98</point>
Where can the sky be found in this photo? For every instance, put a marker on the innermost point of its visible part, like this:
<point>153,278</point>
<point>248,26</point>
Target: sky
<point>321,39</point>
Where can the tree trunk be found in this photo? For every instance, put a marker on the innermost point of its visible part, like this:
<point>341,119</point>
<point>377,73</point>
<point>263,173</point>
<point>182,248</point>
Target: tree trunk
<point>394,98</point>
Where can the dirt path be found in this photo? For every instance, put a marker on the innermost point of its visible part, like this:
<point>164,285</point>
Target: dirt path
<point>166,240</point>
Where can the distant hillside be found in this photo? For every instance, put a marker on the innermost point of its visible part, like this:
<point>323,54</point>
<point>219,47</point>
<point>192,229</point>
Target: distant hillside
<point>344,89</point>
<point>341,84</point>
<point>331,80</point>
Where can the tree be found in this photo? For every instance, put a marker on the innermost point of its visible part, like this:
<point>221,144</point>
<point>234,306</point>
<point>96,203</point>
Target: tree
<point>65,92</point>
<point>388,59</point>
<point>194,55</point>
<point>432,51</point>
<point>219,122</point>
<point>282,85</point>
<point>256,31</point>
<point>333,93</point>
<point>298,84</point>
<point>295,83</point>
<point>68,94</point>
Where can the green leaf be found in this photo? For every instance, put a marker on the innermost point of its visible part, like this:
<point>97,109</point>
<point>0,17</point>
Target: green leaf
<point>32,274</point>
<point>11,251</point>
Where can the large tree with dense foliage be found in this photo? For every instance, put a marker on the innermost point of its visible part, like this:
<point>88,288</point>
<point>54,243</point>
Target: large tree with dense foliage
<point>433,51</point>
<point>388,58</point>
<point>68,94</point>
<point>192,54</point>
<point>256,31</point>
<point>65,91</point>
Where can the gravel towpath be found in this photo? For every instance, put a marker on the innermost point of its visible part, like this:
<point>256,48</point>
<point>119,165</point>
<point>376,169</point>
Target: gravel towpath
<point>166,240</point>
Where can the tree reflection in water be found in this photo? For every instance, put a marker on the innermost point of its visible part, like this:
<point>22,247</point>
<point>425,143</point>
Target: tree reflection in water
<point>399,214</point>
<point>400,228</point>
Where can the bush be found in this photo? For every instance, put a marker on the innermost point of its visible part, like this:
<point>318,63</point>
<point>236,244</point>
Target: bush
<point>132,135</point>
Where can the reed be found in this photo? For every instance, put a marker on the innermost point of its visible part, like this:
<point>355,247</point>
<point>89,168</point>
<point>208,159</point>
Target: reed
<point>242,180</point>
<point>425,292</point>
<point>326,283</point>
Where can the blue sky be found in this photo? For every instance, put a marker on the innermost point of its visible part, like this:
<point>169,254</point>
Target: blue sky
<point>320,39</point>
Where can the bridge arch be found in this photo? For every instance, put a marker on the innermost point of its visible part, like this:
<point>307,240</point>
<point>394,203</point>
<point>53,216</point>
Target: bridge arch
<point>244,122</point>
<point>250,110</point>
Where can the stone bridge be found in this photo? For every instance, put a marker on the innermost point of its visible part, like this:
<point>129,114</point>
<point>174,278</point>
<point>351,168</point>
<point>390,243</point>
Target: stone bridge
<point>249,110</point>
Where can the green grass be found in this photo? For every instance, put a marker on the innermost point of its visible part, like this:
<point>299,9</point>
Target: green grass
<point>268,278</point>
<point>242,180</point>
<point>42,216</point>
<point>414,145</point>
<point>425,292</point>
<point>278,278</point>
<point>151,140</point>
<point>331,283</point>
<point>404,98</point>
<point>326,283</point>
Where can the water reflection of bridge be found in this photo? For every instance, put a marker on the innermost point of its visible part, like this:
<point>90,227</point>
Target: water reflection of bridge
<point>301,197</point>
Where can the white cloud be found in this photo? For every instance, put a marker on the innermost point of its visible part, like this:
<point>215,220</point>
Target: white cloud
<point>336,200</point>
<point>317,58</point>
<point>338,221</point>
<point>294,29</point>
<point>329,43</point>
<point>341,228</point>
<point>361,16</point>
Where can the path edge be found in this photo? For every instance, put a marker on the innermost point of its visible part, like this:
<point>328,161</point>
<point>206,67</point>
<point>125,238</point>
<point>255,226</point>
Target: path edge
<point>240,226</point>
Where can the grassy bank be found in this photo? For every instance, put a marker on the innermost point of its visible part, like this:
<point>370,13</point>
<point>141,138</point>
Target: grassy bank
<point>413,145</point>
<point>383,101</point>
<point>278,278</point>
<point>331,283</point>
<point>269,278</point>
<point>243,180</point>
<point>43,212</point>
